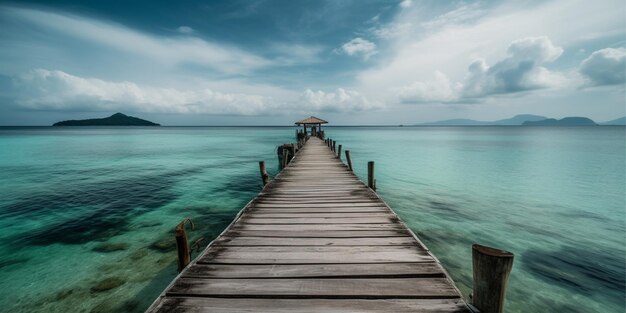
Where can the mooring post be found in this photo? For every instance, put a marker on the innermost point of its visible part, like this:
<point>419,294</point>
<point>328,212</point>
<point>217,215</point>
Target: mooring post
<point>264,176</point>
<point>371,181</point>
<point>285,152</point>
<point>184,257</point>
<point>334,146</point>
<point>292,152</point>
<point>491,269</point>
<point>349,159</point>
<point>339,152</point>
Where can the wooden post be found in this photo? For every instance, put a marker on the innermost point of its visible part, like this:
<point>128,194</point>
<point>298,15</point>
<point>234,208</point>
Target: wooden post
<point>491,273</point>
<point>339,152</point>
<point>284,157</point>
<point>264,176</point>
<point>184,257</point>
<point>349,159</point>
<point>371,181</point>
<point>334,146</point>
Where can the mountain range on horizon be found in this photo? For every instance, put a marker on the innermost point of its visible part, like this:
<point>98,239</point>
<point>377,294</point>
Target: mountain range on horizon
<point>526,120</point>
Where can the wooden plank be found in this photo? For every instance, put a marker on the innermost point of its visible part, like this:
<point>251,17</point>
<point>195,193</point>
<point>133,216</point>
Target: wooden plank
<point>317,227</point>
<point>319,210</point>
<point>319,234</point>
<point>264,241</point>
<point>318,220</point>
<point>247,305</point>
<point>316,205</point>
<point>329,214</point>
<point>314,254</point>
<point>354,288</point>
<point>367,270</point>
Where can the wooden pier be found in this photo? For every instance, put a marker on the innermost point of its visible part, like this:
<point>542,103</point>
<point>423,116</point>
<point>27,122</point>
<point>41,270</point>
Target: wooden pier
<point>316,239</point>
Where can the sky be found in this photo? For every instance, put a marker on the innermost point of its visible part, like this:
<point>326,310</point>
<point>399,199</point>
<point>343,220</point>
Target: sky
<point>272,62</point>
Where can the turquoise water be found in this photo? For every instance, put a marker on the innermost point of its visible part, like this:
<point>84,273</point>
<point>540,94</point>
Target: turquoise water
<point>87,214</point>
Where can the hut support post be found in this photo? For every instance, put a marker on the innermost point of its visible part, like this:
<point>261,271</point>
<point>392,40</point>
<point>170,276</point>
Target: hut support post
<point>491,269</point>
<point>339,152</point>
<point>264,176</point>
<point>371,181</point>
<point>184,257</point>
<point>349,159</point>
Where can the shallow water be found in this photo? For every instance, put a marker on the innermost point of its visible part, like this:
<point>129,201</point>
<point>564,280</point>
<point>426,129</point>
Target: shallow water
<point>86,214</point>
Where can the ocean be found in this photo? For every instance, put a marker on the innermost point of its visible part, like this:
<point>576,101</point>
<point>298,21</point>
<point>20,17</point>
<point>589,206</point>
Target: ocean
<point>87,214</point>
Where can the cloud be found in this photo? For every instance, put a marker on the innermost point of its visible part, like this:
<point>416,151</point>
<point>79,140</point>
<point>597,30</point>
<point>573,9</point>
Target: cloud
<point>359,46</point>
<point>340,100</point>
<point>166,51</point>
<point>605,67</point>
<point>43,89</point>
<point>413,53</point>
<point>438,90</point>
<point>391,30</point>
<point>406,4</point>
<point>57,90</point>
<point>521,70</point>
<point>185,29</point>
<point>462,14</point>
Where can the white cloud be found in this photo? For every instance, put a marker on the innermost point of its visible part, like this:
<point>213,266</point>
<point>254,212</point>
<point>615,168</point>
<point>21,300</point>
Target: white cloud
<point>166,51</point>
<point>340,100</point>
<point>605,67</point>
<point>462,14</point>
<point>416,52</point>
<point>521,70</point>
<point>438,90</point>
<point>406,4</point>
<point>391,30</point>
<point>185,29</point>
<point>57,90</point>
<point>359,46</point>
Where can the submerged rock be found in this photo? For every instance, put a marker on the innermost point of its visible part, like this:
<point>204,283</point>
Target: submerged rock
<point>64,294</point>
<point>107,284</point>
<point>110,247</point>
<point>139,254</point>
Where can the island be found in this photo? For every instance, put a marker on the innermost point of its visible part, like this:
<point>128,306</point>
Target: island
<point>117,119</point>
<point>567,121</point>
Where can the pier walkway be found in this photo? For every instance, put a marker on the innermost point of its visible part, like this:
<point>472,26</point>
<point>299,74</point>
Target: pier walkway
<point>316,239</point>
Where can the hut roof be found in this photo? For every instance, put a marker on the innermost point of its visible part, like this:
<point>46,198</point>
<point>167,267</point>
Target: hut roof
<point>311,120</point>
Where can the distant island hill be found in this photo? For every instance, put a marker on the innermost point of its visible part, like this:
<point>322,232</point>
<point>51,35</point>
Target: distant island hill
<point>117,119</point>
<point>527,120</point>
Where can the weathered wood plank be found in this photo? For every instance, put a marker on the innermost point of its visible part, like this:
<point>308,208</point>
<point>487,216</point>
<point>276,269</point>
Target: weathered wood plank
<point>246,305</point>
<point>359,288</point>
<point>314,254</point>
<point>319,233</point>
<point>317,227</point>
<point>330,214</point>
<point>367,270</point>
<point>265,241</point>
<point>318,220</point>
